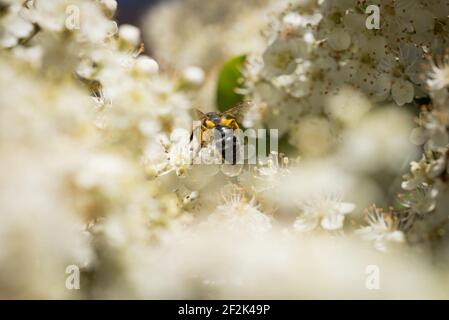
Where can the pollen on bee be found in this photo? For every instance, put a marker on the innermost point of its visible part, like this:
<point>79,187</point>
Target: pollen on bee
<point>230,123</point>
<point>210,124</point>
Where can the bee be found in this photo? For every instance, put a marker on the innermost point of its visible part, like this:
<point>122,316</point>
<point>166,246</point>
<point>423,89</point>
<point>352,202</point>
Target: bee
<point>223,126</point>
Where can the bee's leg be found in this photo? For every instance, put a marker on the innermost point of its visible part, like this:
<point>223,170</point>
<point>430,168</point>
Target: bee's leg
<point>194,130</point>
<point>229,123</point>
<point>202,136</point>
<point>194,147</point>
<point>234,150</point>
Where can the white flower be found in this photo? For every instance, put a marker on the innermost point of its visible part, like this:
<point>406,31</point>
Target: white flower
<point>130,34</point>
<point>381,230</point>
<point>434,123</point>
<point>50,16</point>
<point>280,57</point>
<point>348,106</point>
<point>268,173</point>
<point>313,135</point>
<point>105,172</point>
<point>94,26</point>
<point>13,27</point>
<point>296,20</point>
<point>180,153</point>
<point>146,65</point>
<point>84,16</point>
<point>416,177</point>
<point>293,19</point>
<point>207,33</point>
<point>325,210</point>
<point>379,141</point>
<point>298,83</point>
<point>421,200</point>
<point>193,76</point>
<point>339,39</point>
<point>439,75</point>
<point>110,5</point>
<point>239,214</point>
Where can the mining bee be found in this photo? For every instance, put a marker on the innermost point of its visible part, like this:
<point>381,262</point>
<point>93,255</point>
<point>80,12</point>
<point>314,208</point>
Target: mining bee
<point>223,126</point>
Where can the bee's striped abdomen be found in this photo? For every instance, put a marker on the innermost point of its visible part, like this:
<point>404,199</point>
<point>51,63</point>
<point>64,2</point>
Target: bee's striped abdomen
<point>227,144</point>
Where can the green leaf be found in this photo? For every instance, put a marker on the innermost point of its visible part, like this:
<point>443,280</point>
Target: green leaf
<point>228,81</point>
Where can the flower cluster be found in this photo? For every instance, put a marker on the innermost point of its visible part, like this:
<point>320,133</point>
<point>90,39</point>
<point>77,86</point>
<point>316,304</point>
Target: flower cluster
<point>100,170</point>
<point>83,112</point>
<point>383,228</point>
<point>316,49</point>
<point>425,186</point>
<point>190,30</point>
<point>325,78</point>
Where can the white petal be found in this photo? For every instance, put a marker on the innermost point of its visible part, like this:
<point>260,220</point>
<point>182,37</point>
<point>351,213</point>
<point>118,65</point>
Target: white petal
<point>402,92</point>
<point>396,236</point>
<point>332,222</point>
<point>410,184</point>
<point>345,207</point>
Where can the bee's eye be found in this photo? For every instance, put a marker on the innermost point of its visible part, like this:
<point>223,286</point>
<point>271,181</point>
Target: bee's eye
<point>210,124</point>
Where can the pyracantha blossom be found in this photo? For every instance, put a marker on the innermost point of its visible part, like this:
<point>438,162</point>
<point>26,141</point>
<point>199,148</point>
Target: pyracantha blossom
<point>14,26</point>
<point>438,77</point>
<point>317,48</point>
<point>238,213</point>
<point>270,171</point>
<point>95,137</point>
<point>325,210</point>
<point>421,200</point>
<point>382,229</point>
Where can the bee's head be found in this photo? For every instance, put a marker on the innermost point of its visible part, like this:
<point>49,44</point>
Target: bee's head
<point>214,117</point>
<point>211,120</point>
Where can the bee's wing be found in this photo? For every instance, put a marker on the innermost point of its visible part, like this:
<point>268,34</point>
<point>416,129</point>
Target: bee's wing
<point>201,115</point>
<point>238,110</point>
<point>194,131</point>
